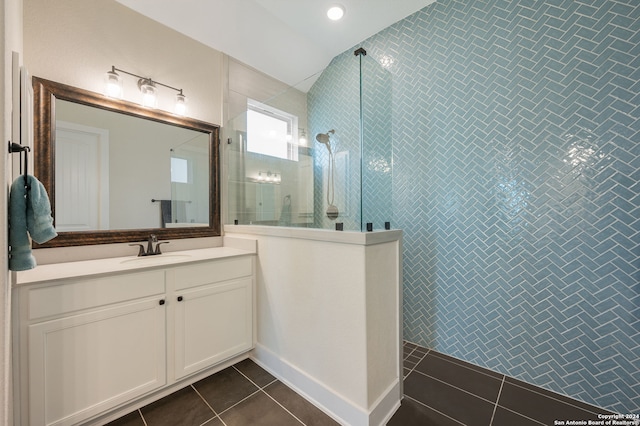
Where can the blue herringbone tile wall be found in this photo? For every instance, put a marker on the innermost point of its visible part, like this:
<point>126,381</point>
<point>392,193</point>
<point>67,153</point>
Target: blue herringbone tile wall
<point>516,169</point>
<point>334,104</point>
<point>337,102</point>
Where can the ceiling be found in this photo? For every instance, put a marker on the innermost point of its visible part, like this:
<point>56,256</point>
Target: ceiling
<point>290,40</point>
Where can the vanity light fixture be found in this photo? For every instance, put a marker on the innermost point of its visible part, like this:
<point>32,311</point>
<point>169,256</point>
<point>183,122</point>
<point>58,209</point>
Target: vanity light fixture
<point>268,177</point>
<point>148,89</point>
<point>335,12</point>
<point>302,137</point>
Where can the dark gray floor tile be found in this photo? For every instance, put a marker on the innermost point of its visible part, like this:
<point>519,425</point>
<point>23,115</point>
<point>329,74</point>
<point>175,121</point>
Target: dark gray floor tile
<point>308,413</point>
<point>131,419</point>
<point>467,364</point>
<point>409,345</point>
<point>224,389</point>
<point>411,359</point>
<point>258,410</point>
<point>460,376</point>
<point>504,417</point>
<point>420,351</point>
<point>453,402</point>
<point>413,413</point>
<point>254,372</point>
<point>181,408</point>
<point>563,398</point>
<point>543,408</point>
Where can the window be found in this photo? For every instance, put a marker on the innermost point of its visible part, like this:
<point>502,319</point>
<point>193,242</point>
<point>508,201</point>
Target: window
<point>179,170</point>
<point>271,131</point>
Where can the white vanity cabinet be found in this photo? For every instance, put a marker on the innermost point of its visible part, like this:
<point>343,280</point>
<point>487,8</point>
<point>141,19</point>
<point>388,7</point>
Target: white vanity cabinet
<point>213,313</point>
<point>89,345</point>
<point>86,346</point>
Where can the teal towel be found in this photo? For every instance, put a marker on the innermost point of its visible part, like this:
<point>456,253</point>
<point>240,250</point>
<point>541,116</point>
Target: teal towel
<point>28,216</point>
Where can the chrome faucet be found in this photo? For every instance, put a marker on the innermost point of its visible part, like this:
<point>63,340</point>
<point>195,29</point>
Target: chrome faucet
<point>150,251</point>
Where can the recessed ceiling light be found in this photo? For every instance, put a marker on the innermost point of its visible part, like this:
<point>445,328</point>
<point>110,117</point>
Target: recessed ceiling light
<point>335,12</point>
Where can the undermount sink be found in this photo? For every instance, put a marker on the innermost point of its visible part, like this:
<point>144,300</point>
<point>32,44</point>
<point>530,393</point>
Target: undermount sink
<point>157,259</point>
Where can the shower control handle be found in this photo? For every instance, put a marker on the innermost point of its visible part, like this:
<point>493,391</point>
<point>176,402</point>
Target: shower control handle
<point>180,299</point>
<point>161,302</point>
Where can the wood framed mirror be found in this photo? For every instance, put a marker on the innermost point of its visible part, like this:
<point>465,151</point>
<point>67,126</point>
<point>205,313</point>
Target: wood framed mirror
<point>118,172</point>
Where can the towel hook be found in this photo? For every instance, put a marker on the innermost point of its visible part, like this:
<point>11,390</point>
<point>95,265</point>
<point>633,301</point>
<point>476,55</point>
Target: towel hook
<point>15,147</point>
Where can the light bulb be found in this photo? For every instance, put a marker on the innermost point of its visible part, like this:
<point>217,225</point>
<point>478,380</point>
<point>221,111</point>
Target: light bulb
<point>148,90</point>
<point>181,104</point>
<point>113,85</point>
<point>335,12</point>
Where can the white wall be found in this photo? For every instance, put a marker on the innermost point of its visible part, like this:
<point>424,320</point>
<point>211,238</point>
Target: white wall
<point>328,315</point>
<point>77,41</point>
<point>11,38</point>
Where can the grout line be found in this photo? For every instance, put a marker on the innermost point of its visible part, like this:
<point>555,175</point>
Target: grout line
<point>455,387</point>
<point>259,389</point>
<point>212,419</point>
<point>495,407</point>
<point>522,415</point>
<point>143,419</point>
<point>283,407</point>
<point>419,361</point>
<point>275,400</point>
<point>433,409</point>
<point>262,389</point>
<point>239,402</point>
<point>210,407</point>
<point>254,383</point>
<point>588,410</point>
<point>468,365</point>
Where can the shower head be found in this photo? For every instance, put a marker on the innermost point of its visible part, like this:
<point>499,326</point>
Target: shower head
<point>324,139</point>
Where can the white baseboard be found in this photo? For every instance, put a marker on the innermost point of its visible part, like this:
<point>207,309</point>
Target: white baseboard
<point>330,402</point>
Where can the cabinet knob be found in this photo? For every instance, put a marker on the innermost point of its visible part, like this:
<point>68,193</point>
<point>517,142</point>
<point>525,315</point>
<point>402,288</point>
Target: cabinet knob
<point>179,298</point>
<point>161,302</point>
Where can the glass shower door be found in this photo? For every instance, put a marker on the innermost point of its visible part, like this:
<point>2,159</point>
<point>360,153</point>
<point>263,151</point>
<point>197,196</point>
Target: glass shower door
<point>189,184</point>
<point>377,147</point>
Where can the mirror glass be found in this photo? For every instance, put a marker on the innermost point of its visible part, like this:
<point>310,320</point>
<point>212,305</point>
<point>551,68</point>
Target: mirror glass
<point>117,172</point>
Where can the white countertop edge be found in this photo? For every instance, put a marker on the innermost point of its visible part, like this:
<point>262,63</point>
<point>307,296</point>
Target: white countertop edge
<point>114,265</point>
<point>343,237</point>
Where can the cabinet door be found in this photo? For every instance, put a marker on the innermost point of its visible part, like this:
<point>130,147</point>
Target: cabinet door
<point>212,323</point>
<point>83,364</point>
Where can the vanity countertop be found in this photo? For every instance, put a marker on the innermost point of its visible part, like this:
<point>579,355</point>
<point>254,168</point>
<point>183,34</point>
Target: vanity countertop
<point>101,267</point>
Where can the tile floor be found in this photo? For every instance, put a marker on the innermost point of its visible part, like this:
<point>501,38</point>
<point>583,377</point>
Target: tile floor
<point>439,391</point>
<point>241,395</point>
